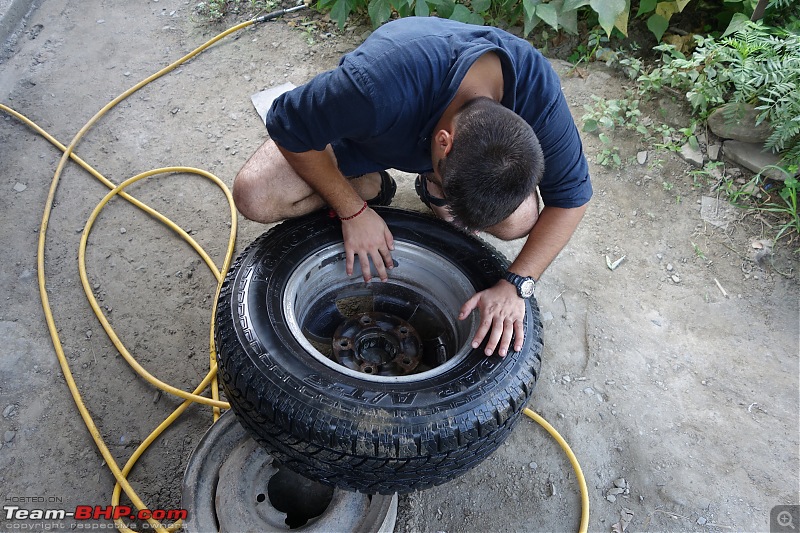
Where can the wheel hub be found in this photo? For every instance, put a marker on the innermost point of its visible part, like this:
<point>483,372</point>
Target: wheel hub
<point>377,344</point>
<point>232,484</point>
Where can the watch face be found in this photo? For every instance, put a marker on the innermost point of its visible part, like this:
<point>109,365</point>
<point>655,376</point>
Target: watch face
<point>526,288</point>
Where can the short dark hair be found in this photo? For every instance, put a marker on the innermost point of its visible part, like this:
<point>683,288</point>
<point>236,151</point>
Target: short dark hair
<point>495,163</point>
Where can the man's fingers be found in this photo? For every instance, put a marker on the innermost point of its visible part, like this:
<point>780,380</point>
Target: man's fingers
<point>519,335</point>
<point>505,339</point>
<point>389,239</point>
<point>386,255</point>
<point>378,261</point>
<point>349,262</point>
<point>483,329</point>
<point>363,259</point>
<point>468,306</point>
<point>494,337</point>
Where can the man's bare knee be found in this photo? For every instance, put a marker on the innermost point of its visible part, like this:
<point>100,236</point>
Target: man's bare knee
<point>267,189</point>
<point>248,198</point>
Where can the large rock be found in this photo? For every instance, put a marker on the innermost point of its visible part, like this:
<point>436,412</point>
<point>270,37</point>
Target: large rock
<point>753,156</point>
<point>741,126</point>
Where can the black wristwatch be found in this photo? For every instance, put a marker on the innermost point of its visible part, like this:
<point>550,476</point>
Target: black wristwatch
<point>524,285</point>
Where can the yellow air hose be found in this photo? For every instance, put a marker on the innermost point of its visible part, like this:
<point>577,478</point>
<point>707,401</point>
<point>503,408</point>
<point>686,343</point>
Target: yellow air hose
<point>210,379</point>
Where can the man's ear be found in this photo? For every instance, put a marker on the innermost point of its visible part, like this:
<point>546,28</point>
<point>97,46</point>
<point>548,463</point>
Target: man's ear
<point>443,141</point>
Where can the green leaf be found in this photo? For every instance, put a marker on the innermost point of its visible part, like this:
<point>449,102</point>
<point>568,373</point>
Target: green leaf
<point>607,122</point>
<point>603,137</point>
<point>481,6</point>
<point>445,8</point>
<point>570,5</point>
<point>529,8</point>
<point>421,9</point>
<point>530,23</point>
<point>340,11</point>
<point>621,23</point>
<point>646,6</point>
<point>461,13</point>
<point>693,142</point>
<point>738,22</point>
<point>379,11</point>
<point>607,12</point>
<point>547,12</point>
<point>477,19</point>
<point>569,21</point>
<point>589,125</point>
<point>658,25</point>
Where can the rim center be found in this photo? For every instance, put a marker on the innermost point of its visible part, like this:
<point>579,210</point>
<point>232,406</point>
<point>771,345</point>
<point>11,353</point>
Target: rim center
<point>377,344</point>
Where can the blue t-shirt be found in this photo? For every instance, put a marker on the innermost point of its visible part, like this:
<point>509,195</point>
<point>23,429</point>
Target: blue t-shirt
<point>378,108</point>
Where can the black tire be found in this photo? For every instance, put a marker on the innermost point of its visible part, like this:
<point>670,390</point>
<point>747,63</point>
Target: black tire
<point>376,435</point>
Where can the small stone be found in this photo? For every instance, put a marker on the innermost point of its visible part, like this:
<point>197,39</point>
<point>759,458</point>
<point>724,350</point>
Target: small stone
<point>702,521</point>
<point>127,73</point>
<point>691,155</point>
<point>533,466</point>
<point>713,151</point>
<point>88,334</point>
<point>8,436</point>
<point>566,379</point>
<point>9,411</point>
<point>675,278</point>
<point>588,390</point>
<point>123,231</point>
<point>19,187</point>
<point>611,498</point>
<point>641,157</point>
<point>616,491</point>
<point>100,21</point>
<point>620,483</point>
<point>670,268</point>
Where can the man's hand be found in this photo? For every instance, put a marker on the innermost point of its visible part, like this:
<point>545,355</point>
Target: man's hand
<point>367,235</point>
<point>502,311</point>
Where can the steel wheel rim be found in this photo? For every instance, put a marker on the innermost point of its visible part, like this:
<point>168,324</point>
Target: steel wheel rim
<point>418,273</point>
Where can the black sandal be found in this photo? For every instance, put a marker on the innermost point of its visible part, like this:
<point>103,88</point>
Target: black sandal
<point>426,197</point>
<point>388,190</point>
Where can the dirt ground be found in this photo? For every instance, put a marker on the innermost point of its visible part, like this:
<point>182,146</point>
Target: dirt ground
<point>650,371</point>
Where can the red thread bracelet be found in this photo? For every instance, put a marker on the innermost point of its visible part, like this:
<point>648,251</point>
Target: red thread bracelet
<point>351,217</point>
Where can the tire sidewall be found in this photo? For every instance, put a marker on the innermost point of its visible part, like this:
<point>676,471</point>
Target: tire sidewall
<point>258,290</point>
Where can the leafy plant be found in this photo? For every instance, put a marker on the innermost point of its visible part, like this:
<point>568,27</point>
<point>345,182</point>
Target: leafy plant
<point>609,155</point>
<point>584,53</point>
<point>558,14</point>
<point>784,207</point>
<point>610,114</point>
<point>710,173</point>
<point>756,64</point>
